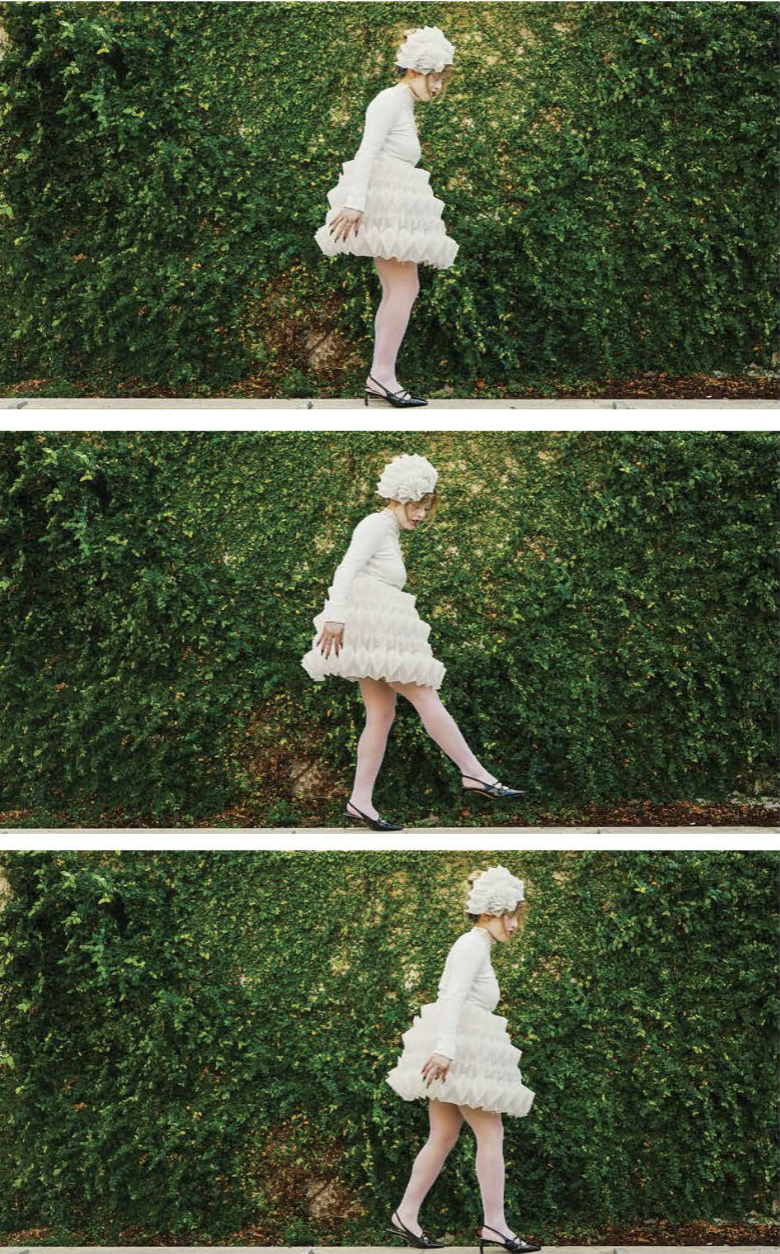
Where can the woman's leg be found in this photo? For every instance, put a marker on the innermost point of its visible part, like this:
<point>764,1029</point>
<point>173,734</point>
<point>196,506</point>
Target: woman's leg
<point>445,1124</point>
<point>441,727</point>
<point>380,309</point>
<point>400,285</point>
<point>379,700</point>
<point>488,1129</point>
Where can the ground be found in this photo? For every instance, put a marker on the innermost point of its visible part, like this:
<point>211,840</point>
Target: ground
<point>650,1232</point>
<point>646,386</point>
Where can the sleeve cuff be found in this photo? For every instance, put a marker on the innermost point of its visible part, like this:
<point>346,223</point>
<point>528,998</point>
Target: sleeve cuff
<point>333,612</point>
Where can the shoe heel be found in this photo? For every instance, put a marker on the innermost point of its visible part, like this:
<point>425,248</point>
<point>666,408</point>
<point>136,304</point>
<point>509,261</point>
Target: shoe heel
<point>393,1232</point>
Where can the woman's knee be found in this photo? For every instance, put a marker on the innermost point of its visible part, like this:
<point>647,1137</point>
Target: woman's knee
<point>381,718</point>
<point>412,286</point>
<point>420,696</point>
<point>488,1127</point>
<point>443,1140</point>
<point>401,278</point>
<point>444,1133</point>
<point>493,1134</point>
<point>379,699</point>
<point>380,710</point>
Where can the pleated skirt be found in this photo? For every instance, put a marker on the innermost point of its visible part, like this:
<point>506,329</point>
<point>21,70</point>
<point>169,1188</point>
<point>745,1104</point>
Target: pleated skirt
<point>485,1074</point>
<point>384,638</point>
<point>402,217</point>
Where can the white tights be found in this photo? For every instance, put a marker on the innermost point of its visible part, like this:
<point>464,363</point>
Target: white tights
<point>379,699</point>
<point>400,286</point>
<point>446,1120</point>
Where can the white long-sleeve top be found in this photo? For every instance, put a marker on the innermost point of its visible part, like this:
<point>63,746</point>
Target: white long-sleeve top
<point>390,130</point>
<point>468,976</point>
<point>374,550</point>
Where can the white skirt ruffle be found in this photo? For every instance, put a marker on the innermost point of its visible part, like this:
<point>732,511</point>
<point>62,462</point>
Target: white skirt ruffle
<point>384,638</point>
<point>402,217</point>
<point>485,1074</point>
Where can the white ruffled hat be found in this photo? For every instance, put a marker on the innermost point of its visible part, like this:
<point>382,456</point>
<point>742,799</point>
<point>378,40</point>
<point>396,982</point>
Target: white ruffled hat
<point>407,477</point>
<point>495,891</point>
<point>425,50</point>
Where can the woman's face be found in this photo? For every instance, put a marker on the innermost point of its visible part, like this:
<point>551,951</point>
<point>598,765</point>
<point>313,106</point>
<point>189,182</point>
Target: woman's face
<point>411,515</point>
<point>426,86</point>
<point>415,514</point>
<point>502,926</point>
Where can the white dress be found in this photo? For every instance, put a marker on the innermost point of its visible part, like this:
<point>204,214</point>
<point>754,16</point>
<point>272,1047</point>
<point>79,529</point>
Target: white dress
<point>384,636</point>
<point>401,216</point>
<point>460,1025</point>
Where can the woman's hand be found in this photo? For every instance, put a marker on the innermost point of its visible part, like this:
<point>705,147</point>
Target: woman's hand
<point>331,637</point>
<point>436,1068</point>
<point>344,221</point>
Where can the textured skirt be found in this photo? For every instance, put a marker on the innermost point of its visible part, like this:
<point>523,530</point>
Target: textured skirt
<point>402,217</point>
<point>384,638</point>
<point>485,1073</point>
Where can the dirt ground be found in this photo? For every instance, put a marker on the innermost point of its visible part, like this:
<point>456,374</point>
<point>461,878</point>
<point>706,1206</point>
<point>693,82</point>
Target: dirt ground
<point>646,386</point>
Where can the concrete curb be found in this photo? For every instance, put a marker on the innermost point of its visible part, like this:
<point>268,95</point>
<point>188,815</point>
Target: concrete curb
<point>433,832</point>
<point>24,403</point>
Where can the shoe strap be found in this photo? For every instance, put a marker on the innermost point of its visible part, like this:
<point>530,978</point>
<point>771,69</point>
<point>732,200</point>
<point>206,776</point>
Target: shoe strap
<point>387,391</point>
<point>511,1243</point>
<point>360,812</point>
<point>395,1216</point>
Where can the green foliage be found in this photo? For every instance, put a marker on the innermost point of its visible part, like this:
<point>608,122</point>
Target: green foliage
<point>604,604</point>
<point>197,1041</point>
<point>609,171</point>
<point>133,1092</point>
<point>126,600</point>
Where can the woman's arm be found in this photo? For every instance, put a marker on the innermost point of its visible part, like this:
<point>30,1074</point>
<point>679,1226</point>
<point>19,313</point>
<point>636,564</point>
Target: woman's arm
<point>380,116</point>
<point>467,955</point>
<point>367,538</point>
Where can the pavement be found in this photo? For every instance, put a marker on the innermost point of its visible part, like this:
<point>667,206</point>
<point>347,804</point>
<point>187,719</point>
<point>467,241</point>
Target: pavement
<point>428,838</point>
<point>351,403</point>
<point>538,830</point>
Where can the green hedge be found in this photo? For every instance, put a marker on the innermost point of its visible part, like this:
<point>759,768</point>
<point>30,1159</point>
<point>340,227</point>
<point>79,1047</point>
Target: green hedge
<point>196,1043</point>
<point>609,170</point>
<point>604,604</point>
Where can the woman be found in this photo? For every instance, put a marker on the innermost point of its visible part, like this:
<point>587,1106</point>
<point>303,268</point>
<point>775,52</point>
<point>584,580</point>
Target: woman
<point>383,206</point>
<point>457,1054</point>
<point>371,633</point>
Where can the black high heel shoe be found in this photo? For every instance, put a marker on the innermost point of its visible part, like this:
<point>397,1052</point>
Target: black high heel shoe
<point>497,791</point>
<point>515,1245</point>
<point>379,825</point>
<point>420,1243</point>
<point>395,398</point>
